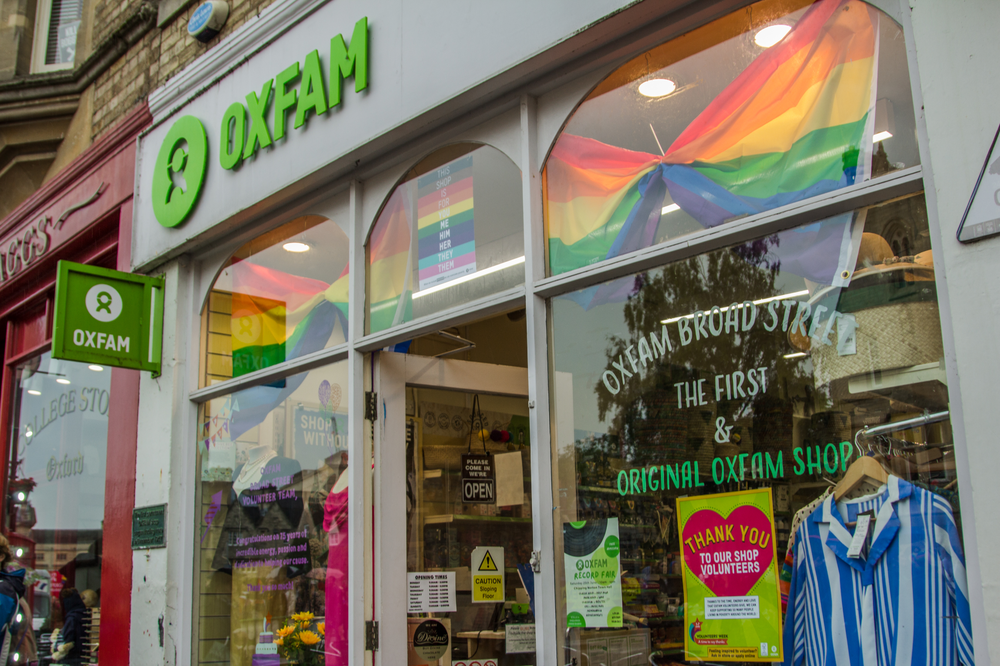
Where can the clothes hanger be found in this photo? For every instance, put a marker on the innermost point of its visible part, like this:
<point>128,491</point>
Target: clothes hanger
<point>863,470</point>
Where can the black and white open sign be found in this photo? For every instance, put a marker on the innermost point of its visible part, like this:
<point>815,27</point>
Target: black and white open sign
<point>478,479</point>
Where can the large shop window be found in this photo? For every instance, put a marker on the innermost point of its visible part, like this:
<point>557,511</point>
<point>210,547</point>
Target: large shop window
<point>272,523</point>
<point>281,296</point>
<point>771,105</point>
<point>59,439</point>
<point>450,233</point>
<point>754,457</point>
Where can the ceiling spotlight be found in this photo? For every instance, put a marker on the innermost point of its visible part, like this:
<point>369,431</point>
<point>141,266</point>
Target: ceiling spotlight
<point>63,380</point>
<point>96,368</point>
<point>657,87</point>
<point>295,246</point>
<point>771,35</point>
<point>669,208</point>
<point>34,392</point>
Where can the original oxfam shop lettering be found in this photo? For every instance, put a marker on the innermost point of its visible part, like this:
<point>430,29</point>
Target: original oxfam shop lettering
<point>809,322</point>
<point>298,91</point>
<point>107,317</point>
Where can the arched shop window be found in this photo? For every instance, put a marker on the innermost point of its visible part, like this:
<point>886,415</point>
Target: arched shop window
<point>272,493</point>
<point>280,296</point>
<point>769,106</point>
<point>753,452</point>
<point>451,232</point>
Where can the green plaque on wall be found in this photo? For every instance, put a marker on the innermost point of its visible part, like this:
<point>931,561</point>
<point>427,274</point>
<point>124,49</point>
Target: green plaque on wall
<point>149,527</point>
<point>108,317</point>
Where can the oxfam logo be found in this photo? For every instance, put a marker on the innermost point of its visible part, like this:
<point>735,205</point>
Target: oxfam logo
<point>180,171</point>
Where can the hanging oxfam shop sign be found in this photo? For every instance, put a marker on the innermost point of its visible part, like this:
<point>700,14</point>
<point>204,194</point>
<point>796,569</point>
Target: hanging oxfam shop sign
<point>295,93</point>
<point>732,609</point>
<point>108,317</point>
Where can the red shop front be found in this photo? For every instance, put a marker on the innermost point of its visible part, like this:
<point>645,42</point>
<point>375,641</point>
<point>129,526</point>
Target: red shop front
<point>70,428</point>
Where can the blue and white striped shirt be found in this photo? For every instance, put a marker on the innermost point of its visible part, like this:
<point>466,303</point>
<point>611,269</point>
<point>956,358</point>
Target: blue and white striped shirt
<point>904,601</point>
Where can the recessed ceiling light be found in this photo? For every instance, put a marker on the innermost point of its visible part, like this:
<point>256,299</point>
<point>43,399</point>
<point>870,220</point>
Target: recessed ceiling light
<point>881,136</point>
<point>63,380</point>
<point>771,35</point>
<point>295,246</point>
<point>669,209</point>
<point>34,392</point>
<point>96,368</point>
<point>657,87</point>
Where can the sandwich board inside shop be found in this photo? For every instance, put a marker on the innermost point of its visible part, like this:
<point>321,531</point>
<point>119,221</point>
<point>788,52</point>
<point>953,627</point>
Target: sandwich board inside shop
<point>108,317</point>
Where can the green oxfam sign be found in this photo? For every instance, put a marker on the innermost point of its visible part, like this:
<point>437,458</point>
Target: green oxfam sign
<point>180,171</point>
<point>108,317</point>
<point>298,92</point>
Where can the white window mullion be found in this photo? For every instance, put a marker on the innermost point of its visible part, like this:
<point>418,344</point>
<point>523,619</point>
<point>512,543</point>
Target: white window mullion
<point>547,645</point>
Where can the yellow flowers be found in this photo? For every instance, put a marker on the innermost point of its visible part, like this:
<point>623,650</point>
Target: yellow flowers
<point>309,638</point>
<point>297,641</point>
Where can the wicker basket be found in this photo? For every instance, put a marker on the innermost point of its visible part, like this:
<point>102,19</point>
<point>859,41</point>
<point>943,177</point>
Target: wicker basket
<point>888,337</point>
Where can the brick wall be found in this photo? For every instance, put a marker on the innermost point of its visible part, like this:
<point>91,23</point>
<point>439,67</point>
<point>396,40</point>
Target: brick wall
<point>149,64</point>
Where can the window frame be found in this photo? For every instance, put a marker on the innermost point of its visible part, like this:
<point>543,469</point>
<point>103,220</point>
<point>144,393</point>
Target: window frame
<point>40,42</point>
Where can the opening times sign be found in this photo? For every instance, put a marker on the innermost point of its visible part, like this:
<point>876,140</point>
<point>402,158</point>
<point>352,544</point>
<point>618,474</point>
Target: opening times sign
<point>445,228</point>
<point>732,609</point>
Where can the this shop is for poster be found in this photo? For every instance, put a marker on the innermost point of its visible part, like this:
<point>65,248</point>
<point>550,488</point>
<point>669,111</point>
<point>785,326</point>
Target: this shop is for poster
<point>732,604</point>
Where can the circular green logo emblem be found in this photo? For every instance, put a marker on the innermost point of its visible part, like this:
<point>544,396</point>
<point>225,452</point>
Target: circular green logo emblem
<point>180,171</point>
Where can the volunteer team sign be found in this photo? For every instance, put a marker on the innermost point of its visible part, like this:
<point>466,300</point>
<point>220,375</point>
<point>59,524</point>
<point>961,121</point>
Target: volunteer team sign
<point>108,317</point>
<point>732,608</point>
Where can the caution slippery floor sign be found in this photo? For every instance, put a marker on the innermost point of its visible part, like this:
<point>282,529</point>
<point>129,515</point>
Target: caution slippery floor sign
<point>487,575</point>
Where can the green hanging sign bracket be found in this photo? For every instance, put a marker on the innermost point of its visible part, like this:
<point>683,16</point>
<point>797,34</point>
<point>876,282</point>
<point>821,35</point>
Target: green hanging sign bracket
<point>108,317</point>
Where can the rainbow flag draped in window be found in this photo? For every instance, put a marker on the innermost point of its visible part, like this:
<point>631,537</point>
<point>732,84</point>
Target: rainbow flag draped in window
<point>389,265</point>
<point>278,317</point>
<point>796,123</point>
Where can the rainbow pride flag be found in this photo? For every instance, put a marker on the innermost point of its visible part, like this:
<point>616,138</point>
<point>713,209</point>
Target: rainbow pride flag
<point>277,316</point>
<point>289,316</point>
<point>796,123</point>
<point>389,265</point>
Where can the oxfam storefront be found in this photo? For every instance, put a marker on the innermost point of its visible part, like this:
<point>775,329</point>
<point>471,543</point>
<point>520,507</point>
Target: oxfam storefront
<point>600,347</point>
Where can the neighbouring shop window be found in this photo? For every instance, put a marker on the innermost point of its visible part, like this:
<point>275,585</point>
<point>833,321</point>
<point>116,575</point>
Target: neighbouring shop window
<point>282,295</point>
<point>56,30</point>
<point>59,435</point>
<point>771,105</point>
<point>468,529</point>
<point>719,495</point>
<point>272,523</point>
<point>450,233</point>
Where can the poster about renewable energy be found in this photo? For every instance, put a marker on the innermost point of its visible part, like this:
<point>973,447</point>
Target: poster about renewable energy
<point>729,563</point>
<point>593,580</point>
<point>445,227</point>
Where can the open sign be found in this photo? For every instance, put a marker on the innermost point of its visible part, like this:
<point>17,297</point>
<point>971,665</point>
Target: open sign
<point>478,479</point>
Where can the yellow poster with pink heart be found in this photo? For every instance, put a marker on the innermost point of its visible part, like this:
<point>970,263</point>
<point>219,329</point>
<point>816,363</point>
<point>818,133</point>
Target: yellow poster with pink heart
<point>729,566</point>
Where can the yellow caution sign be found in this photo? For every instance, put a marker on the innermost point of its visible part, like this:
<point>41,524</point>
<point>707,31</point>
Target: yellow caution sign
<point>488,564</point>
<point>487,575</point>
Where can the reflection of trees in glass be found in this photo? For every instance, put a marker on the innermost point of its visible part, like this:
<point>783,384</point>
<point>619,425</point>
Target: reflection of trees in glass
<point>644,412</point>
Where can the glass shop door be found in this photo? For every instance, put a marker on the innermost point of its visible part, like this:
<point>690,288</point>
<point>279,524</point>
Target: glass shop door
<point>454,539</point>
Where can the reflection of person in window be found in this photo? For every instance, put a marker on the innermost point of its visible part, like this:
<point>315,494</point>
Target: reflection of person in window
<point>68,646</point>
<point>11,591</point>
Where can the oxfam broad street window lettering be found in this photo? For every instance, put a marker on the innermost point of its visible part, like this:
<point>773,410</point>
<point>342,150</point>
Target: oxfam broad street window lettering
<point>107,317</point>
<point>182,163</point>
